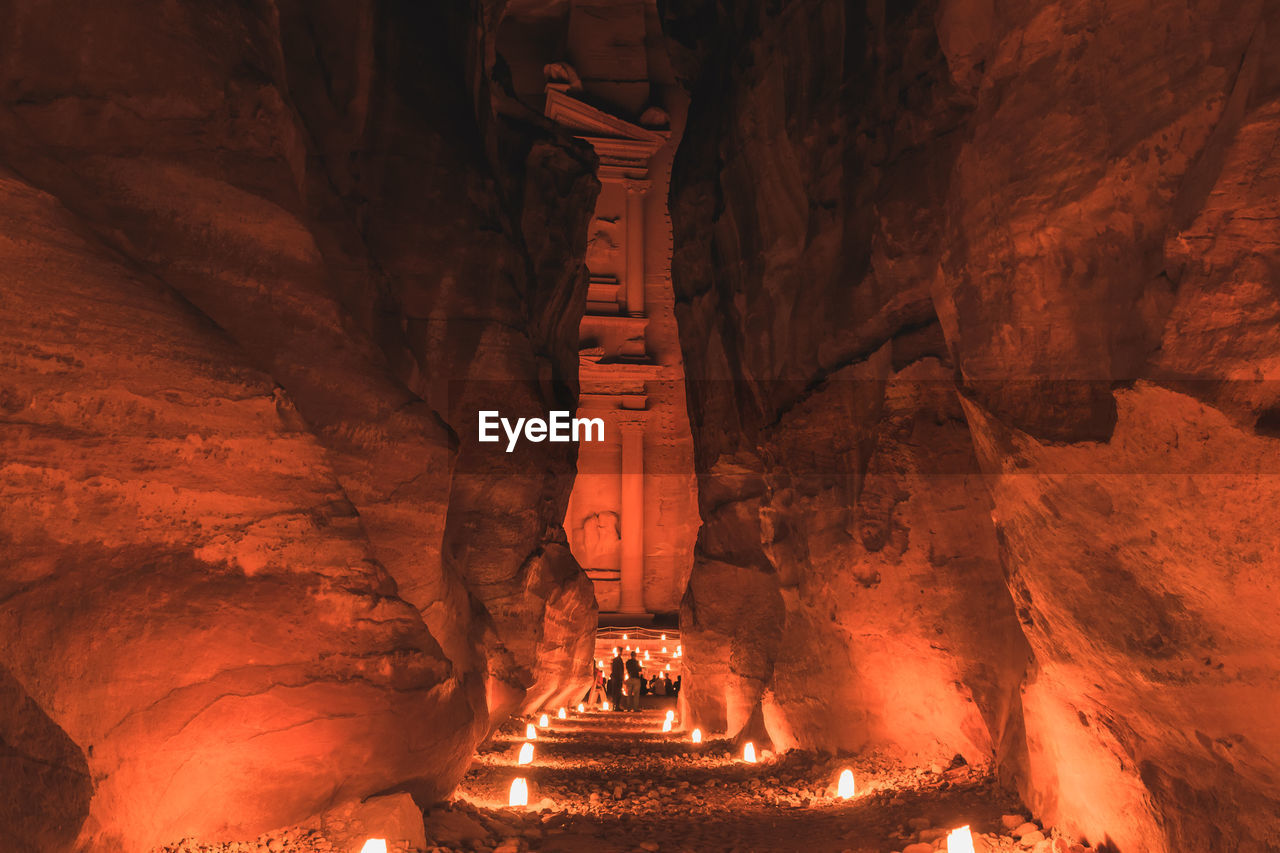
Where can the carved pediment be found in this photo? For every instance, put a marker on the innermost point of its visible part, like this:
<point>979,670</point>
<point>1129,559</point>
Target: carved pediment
<point>609,135</point>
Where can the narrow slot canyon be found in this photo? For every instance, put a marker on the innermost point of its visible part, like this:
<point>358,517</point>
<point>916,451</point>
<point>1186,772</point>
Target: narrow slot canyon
<point>640,425</point>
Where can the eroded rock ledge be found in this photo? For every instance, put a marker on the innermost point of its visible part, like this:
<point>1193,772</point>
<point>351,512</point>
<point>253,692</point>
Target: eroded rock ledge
<point>980,303</point>
<point>261,262</point>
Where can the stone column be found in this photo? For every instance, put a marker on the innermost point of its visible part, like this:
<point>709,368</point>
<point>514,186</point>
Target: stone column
<point>636,190</point>
<point>632,586</point>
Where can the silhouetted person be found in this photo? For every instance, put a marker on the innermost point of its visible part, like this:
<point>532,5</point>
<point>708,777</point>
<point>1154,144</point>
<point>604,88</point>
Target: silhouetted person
<point>635,683</point>
<point>596,694</point>
<point>615,681</point>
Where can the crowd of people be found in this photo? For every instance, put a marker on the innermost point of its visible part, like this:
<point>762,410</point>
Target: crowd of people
<point>626,683</point>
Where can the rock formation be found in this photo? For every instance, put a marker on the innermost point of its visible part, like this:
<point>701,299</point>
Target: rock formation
<point>262,263</point>
<point>978,306</point>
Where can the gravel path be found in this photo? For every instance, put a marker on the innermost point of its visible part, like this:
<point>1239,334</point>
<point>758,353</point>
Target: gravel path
<point>615,782</point>
<point>609,782</point>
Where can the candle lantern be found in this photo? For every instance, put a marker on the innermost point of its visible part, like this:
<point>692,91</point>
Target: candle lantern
<point>960,841</point>
<point>844,787</point>
<point>519,795</point>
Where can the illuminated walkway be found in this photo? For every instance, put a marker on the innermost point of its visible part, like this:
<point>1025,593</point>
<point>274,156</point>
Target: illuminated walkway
<point>615,782</point>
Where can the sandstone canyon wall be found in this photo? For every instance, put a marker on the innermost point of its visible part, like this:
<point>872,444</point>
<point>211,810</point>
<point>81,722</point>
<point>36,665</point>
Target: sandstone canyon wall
<point>978,304</point>
<point>262,262</point>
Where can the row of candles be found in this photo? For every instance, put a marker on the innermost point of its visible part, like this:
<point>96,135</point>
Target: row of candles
<point>679,653</point>
<point>959,840</point>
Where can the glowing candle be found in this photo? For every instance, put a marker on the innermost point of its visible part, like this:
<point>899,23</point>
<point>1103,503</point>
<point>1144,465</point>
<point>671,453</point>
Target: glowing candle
<point>582,709</point>
<point>960,841</point>
<point>526,753</point>
<point>604,706</point>
<point>697,736</point>
<point>600,664</point>
<point>668,669</point>
<point>530,732</point>
<point>664,650</point>
<point>664,636</point>
<point>624,636</point>
<point>615,651</point>
<point>749,753</point>
<point>671,715</point>
<point>374,845</point>
<point>544,721</point>
<point>562,714</point>
<point>844,788</point>
<point>646,654</point>
<point>628,648</point>
<point>666,724</point>
<point>519,793</point>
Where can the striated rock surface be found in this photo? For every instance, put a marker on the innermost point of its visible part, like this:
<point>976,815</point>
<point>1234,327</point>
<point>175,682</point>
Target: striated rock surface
<point>189,596</point>
<point>1108,321</point>
<point>260,273</point>
<point>847,583</point>
<point>978,306</point>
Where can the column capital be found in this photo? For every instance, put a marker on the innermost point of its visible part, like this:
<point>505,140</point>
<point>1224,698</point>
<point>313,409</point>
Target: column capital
<point>636,186</point>
<point>631,423</point>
